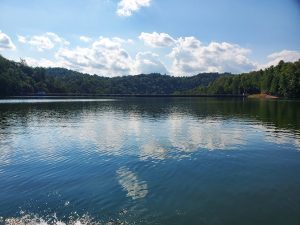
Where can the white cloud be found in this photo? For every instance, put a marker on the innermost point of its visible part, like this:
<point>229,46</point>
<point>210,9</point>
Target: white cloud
<point>105,57</point>
<point>107,43</point>
<point>285,55</point>
<point>157,39</point>
<point>85,39</point>
<point>5,42</point>
<point>55,38</point>
<point>43,42</point>
<point>22,39</point>
<point>148,62</point>
<point>110,56</point>
<point>190,57</point>
<point>42,62</point>
<point>128,7</point>
<point>123,41</point>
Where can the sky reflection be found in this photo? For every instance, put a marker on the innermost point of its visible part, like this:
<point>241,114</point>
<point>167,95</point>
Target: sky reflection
<point>130,182</point>
<point>133,130</point>
<point>137,155</point>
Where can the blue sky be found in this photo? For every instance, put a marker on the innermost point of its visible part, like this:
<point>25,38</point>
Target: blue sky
<point>120,37</point>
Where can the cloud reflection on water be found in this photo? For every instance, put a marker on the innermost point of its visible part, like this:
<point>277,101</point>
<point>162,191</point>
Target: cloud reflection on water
<point>5,156</point>
<point>136,189</point>
<point>158,140</point>
<point>279,137</point>
<point>115,129</point>
<point>190,135</point>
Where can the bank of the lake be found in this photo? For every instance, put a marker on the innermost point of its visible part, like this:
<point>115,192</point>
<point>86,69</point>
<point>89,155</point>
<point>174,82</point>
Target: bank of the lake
<point>263,96</point>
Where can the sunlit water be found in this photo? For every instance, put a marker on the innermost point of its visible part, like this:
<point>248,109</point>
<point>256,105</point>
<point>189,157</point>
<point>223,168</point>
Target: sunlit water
<point>150,161</point>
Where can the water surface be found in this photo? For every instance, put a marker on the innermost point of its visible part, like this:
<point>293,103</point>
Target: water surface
<point>150,161</point>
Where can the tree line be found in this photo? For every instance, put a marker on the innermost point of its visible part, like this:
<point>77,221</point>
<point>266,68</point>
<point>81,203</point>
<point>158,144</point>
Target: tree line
<point>17,78</point>
<point>281,80</point>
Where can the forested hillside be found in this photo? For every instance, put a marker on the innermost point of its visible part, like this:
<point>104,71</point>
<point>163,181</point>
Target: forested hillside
<point>281,80</point>
<point>19,79</point>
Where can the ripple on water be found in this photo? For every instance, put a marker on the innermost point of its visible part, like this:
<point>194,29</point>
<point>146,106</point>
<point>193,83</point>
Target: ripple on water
<point>155,160</point>
<point>30,219</point>
<point>123,217</point>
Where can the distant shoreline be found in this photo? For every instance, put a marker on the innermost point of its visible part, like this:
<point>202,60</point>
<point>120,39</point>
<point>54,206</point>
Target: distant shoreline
<point>263,96</point>
<point>121,95</point>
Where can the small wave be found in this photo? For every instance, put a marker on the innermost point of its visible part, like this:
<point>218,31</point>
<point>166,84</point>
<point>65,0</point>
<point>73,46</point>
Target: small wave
<point>28,219</point>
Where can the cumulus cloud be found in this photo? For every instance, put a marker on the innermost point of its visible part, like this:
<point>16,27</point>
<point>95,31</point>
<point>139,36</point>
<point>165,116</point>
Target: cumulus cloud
<point>43,42</point>
<point>105,57</point>
<point>157,39</point>
<point>148,62</point>
<point>123,41</point>
<point>22,39</point>
<point>109,57</point>
<point>42,62</point>
<point>85,39</point>
<point>5,42</point>
<point>128,7</point>
<point>285,55</point>
<point>190,56</point>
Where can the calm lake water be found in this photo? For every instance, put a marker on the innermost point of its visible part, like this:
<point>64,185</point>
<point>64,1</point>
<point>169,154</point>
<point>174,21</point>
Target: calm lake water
<point>150,161</point>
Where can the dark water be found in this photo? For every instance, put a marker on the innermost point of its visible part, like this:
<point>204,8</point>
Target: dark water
<point>150,161</point>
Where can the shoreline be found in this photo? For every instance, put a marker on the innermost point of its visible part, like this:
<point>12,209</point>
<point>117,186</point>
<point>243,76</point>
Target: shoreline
<point>121,95</point>
<point>263,96</point>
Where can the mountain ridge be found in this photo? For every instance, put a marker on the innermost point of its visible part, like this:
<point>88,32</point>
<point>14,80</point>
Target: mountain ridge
<point>17,78</point>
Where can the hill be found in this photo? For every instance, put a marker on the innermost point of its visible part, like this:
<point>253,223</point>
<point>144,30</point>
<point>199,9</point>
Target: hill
<point>20,79</point>
<point>282,80</point>
<point>16,78</point>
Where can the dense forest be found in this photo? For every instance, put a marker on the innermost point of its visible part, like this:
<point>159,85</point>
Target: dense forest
<point>16,78</point>
<point>281,80</point>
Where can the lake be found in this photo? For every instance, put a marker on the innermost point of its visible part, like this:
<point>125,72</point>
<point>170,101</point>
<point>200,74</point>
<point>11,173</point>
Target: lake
<point>168,161</point>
